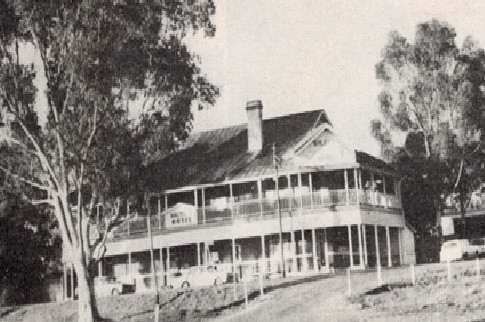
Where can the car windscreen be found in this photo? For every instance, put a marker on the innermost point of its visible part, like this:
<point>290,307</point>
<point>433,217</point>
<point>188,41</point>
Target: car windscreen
<point>449,245</point>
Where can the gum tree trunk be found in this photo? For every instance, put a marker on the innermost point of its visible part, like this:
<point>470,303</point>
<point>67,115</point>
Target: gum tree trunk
<point>462,211</point>
<point>87,308</point>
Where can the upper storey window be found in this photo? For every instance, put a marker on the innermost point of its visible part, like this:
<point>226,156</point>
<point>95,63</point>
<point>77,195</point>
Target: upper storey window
<point>331,180</point>
<point>390,184</point>
<point>367,180</point>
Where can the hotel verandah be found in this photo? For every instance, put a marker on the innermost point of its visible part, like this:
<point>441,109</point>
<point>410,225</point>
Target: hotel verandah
<point>215,202</point>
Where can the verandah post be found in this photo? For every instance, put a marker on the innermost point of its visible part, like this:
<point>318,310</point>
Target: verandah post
<point>351,251</point>
<point>359,236</point>
<point>314,251</point>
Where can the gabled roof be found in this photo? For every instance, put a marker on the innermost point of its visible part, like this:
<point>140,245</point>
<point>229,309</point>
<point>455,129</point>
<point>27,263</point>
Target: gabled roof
<point>222,154</point>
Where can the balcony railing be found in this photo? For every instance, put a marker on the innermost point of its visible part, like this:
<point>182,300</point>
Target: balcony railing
<point>474,204</point>
<point>183,217</point>
<point>379,199</point>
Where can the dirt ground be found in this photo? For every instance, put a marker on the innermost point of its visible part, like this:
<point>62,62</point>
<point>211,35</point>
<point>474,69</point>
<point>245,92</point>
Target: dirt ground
<point>315,298</point>
<point>327,300</point>
<point>175,305</point>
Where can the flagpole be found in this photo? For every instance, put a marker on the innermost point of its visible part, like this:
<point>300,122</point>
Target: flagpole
<point>152,261</point>
<point>276,166</point>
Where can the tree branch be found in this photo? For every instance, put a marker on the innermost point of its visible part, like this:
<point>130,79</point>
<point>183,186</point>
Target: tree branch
<point>458,178</point>
<point>115,221</point>
<point>14,141</point>
<point>24,180</point>
<point>39,153</point>
<point>85,220</point>
<point>93,131</point>
<point>52,107</point>
<point>41,202</point>
<point>61,205</point>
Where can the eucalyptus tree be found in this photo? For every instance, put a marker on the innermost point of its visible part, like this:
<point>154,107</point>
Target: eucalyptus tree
<point>433,95</point>
<point>97,59</point>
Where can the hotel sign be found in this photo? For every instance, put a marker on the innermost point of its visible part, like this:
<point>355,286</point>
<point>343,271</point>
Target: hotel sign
<point>447,226</point>
<point>181,215</point>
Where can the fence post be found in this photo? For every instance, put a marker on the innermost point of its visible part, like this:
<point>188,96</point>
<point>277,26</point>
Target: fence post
<point>449,270</point>
<point>349,284</point>
<point>234,270</point>
<point>413,275</point>
<point>379,275</point>
<point>261,279</point>
<point>245,294</point>
<point>478,268</point>
<point>157,312</point>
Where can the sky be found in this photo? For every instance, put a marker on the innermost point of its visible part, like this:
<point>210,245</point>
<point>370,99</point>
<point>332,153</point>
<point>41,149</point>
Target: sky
<point>299,55</point>
<point>308,54</point>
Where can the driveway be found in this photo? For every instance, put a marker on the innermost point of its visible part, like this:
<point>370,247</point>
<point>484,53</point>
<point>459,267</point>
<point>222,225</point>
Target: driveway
<point>320,300</point>
<point>327,300</point>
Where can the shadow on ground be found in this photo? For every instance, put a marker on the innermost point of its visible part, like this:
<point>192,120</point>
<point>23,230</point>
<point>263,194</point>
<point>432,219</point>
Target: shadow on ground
<point>387,288</point>
<point>256,293</point>
<point>7,311</point>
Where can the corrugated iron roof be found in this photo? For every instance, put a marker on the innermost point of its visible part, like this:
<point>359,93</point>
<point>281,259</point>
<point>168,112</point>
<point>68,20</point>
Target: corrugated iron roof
<point>222,154</point>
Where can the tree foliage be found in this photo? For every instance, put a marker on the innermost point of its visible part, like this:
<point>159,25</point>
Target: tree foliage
<point>99,58</point>
<point>29,248</point>
<point>433,96</point>
<point>431,87</point>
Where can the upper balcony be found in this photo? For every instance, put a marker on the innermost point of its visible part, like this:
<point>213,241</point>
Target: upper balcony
<point>299,194</point>
<point>474,203</point>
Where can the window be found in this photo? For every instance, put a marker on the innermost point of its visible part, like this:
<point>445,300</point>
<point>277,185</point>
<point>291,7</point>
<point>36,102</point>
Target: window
<point>331,180</point>
<point>186,197</point>
<point>245,191</point>
<point>379,182</point>
<point>367,183</point>
<point>389,182</point>
<point>351,178</point>
<point>217,196</point>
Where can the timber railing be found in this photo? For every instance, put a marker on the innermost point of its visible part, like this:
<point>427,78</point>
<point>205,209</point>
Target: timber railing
<point>188,217</point>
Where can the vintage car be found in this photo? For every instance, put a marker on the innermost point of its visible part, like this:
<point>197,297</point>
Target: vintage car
<point>198,277</point>
<point>457,249</point>
<point>107,286</point>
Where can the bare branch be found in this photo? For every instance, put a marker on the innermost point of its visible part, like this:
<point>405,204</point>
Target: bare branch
<point>93,130</point>
<point>476,148</point>
<point>85,226</point>
<point>24,180</point>
<point>41,202</point>
<point>458,178</point>
<point>40,154</point>
<point>52,107</point>
<point>112,223</point>
<point>11,140</point>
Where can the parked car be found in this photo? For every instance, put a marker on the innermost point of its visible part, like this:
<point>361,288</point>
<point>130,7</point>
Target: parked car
<point>457,249</point>
<point>107,286</point>
<point>199,276</point>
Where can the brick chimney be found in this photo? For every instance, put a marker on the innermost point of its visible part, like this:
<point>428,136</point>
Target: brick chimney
<point>255,125</point>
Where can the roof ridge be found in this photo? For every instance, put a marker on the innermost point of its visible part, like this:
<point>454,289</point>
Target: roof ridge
<point>321,110</point>
<point>298,113</point>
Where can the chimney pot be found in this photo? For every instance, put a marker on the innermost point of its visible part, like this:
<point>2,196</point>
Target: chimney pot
<point>254,104</point>
<point>255,125</point>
